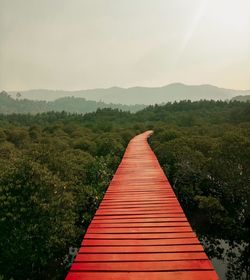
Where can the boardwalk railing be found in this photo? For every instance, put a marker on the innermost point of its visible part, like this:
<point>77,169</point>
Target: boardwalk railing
<point>140,231</point>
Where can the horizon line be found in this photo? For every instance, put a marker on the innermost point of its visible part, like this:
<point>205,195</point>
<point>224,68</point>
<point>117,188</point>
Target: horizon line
<point>126,88</point>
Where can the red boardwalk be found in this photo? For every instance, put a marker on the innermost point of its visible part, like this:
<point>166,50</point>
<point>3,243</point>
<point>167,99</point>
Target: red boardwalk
<point>140,230</point>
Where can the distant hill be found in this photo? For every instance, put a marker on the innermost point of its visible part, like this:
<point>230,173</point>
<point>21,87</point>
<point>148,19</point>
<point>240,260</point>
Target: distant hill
<point>242,98</point>
<point>139,95</point>
<point>9,105</point>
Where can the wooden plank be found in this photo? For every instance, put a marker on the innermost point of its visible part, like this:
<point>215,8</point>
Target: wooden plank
<point>140,230</point>
<point>81,257</point>
<point>137,212</point>
<point>141,249</point>
<point>141,207</point>
<point>143,266</point>
<point>141,215</point>
<point>176,275</point>
<point>141,225</point>
<point>139,235</point>
<point>138,206</point>
<point>138,220</point>
<point>140,242</point>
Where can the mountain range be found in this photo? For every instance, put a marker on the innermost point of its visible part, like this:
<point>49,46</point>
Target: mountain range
<point>9,105</point>
<point>242,98</point>
<point>138,95</point>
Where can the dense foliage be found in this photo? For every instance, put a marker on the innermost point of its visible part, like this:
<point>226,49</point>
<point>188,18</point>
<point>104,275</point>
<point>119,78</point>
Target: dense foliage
<point>54,170</point>
<point>55,167</point>
<point>204,148</point>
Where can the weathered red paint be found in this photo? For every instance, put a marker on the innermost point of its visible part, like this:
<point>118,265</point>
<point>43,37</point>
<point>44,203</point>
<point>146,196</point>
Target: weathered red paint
<point>140,231</point>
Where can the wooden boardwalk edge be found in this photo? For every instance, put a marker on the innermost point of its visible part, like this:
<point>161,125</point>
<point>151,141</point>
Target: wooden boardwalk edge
<point>140,230</point>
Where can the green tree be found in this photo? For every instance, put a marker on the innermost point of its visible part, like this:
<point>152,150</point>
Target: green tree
<point>36,208</point>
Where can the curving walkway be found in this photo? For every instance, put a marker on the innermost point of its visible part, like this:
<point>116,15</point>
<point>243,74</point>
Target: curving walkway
<point>140,230</point>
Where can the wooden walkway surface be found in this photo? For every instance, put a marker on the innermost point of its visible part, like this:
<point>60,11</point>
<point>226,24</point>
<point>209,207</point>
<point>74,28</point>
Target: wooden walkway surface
<point>139,230</point>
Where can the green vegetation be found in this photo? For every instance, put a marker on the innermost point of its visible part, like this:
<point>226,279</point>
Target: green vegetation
<point>55,168</point>
<point>204,148</point>
<point>207,160</point>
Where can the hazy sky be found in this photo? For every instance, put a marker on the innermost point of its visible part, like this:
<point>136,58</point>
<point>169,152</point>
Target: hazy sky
<point>79,44</point>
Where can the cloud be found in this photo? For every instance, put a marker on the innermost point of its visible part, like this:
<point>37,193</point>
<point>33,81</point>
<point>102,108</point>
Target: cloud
<point>100,43</point>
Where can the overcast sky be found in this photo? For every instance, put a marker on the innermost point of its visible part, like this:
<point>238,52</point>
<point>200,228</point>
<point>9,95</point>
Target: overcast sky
<point>80,44</point>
